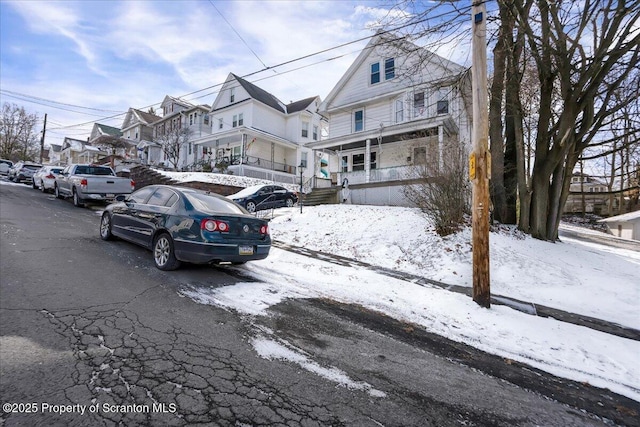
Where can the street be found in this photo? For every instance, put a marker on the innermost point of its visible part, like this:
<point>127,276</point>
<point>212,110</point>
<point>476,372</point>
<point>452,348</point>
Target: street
<point>92,334</point>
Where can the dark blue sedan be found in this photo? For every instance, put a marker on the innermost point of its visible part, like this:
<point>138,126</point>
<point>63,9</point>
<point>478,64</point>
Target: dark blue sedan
<point>186,225</point>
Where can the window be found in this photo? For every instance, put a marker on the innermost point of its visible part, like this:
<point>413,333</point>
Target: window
<point>303,159</point>
<point>344,164</point>
<point>236,153</point>
<point>389,68</point>
<point>418,103</point>
<point>419,155</point>
<point>141,195</point>
<point>220,123</point>
<point>305,129</point>
<point>206,119</point>
<point>315,133</point>
<point>162,197</point>
<point>238,120</point>
<point>190,148</point>
<point>372,160</point>
<point>375,73</point>
<point>399,110</point>
<point>358,120</point>
<point>443,101</point>
<point>232,95</point>
<point>358,162</point>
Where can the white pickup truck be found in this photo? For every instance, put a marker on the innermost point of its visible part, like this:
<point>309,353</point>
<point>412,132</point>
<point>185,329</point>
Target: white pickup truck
<point>90,183</point>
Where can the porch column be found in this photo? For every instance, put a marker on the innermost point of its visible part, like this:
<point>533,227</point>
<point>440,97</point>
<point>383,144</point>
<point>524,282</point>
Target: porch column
<point>367,160</point>
<point>440,148</point>
<point>243,148</point>
<point>273,156</point>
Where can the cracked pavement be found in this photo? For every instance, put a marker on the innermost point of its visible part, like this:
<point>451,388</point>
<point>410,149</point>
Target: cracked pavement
<point>86,322</point>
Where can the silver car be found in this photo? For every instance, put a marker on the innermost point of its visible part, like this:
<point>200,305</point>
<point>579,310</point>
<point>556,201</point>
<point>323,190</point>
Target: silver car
<point>5,165</point>
<point>45,178</point>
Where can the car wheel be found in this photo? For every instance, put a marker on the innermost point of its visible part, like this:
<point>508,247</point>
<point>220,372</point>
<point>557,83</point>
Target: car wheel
<point>77,201</point>
<point>105,227</point>
<point>33,185</point>
<point>251,207</point>
<point>56,191</point>
<point>42,188</point>
<point>289,203</point>
<point>163,253</point>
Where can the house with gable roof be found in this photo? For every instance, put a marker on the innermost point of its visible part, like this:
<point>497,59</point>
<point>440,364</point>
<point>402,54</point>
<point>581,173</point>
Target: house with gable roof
<point>255,134</point>
<point>78,151</point>
<point>397,106</point>
<point>138,128</point>
<point>178,113</point>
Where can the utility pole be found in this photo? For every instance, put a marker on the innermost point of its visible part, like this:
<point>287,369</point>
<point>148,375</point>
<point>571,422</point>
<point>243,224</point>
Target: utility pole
<point>44,130</point>
<point>479,160</point>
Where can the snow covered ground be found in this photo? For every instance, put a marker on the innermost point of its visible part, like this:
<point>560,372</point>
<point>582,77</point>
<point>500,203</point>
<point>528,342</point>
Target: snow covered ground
<point>590,279</point>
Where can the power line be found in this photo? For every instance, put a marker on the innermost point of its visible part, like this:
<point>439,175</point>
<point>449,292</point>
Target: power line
<point>237,34</point>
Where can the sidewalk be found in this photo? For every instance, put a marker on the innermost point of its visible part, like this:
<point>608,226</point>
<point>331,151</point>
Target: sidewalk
<point>523,306</point>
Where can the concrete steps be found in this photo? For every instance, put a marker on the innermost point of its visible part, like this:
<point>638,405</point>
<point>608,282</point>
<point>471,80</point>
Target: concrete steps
<point>321,196</point>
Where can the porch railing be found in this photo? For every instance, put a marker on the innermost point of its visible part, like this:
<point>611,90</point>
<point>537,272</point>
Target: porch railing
<point>396,173</point>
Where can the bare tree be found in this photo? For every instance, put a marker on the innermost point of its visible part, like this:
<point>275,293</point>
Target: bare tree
<point>441,187</point>
<point>18,136</point>
<point>581,52</point>
<point>172,142</point>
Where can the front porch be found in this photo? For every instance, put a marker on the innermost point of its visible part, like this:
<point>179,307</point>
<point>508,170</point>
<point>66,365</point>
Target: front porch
<point>250,152</point>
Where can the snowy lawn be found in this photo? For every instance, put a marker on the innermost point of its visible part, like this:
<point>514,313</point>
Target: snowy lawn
<point>589,279</point>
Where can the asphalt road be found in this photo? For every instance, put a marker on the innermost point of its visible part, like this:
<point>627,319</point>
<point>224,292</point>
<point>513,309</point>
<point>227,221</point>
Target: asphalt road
<point>92,334</point>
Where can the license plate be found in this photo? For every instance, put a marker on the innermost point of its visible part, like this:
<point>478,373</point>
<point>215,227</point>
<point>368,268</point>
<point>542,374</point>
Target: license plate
<point>246,250</point>
<point>111,196</point>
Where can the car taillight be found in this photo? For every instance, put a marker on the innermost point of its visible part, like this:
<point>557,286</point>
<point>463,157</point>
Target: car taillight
<point>50,176</point>
<point>133,185</point>
<point>264,229</point>
<point>214,225</point>
<point>83,182</point>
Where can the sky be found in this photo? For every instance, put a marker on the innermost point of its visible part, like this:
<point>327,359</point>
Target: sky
<point>589,279</point>
<point>82,62</point>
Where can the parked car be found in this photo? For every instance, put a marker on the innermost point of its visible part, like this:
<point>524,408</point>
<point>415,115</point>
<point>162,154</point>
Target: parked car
<point>23,171</point>
<point>45,178</point>
<point>186,225</point>
<point>90,183</point>
<point>261,197</point>
<point>5,165</point>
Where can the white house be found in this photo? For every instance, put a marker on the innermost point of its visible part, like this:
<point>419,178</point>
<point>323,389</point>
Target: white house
<point>138,128</point>
<point>626,226</point>
<point>254,134</point>
<point>180,114</point>
<point>78,151</point>
<point>396,106</point>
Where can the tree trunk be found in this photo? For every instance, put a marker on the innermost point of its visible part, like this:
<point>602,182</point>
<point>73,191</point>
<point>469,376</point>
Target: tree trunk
<point>497,188</point>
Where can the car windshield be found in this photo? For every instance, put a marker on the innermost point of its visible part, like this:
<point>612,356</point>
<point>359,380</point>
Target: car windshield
<point>32,167</point>
<point>212,204</point>
<point>56,170</point>
<point>246,192</point>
